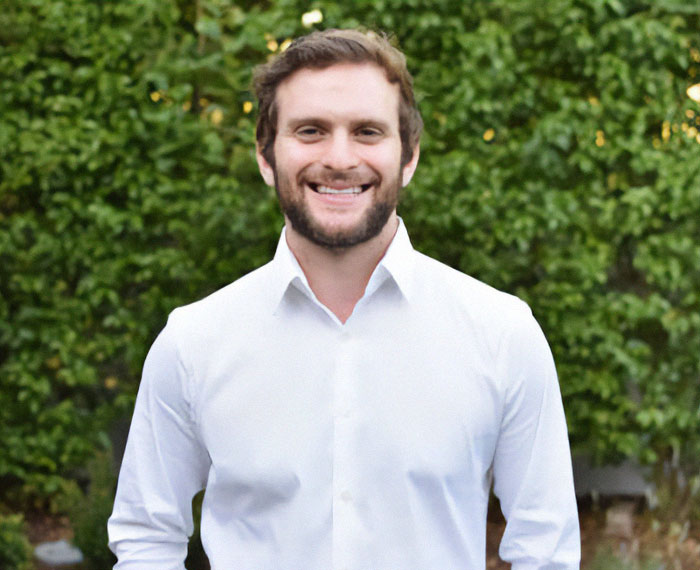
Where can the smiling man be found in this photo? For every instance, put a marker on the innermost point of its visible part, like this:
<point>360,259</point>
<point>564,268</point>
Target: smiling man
<point>337,154</point>
<point>350,404</point>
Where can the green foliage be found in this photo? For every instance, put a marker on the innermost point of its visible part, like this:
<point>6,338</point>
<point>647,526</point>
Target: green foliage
<point>15,550</point>
<point>560,162</point>
<point>117,203</point>
<point>89,511</point>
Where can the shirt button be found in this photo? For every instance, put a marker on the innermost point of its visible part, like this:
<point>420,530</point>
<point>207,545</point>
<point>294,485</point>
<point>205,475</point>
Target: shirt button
<point>346,496</point>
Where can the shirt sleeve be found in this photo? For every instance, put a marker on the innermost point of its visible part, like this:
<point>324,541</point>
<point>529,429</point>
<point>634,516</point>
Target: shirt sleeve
<point>532,464</point>
<point>164,466</point>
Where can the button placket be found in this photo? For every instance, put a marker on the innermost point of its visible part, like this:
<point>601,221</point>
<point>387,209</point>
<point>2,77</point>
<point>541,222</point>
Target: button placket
<point>345,521</point>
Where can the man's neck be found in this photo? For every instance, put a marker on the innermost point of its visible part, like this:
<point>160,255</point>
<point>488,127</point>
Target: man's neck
<point>338,278</point>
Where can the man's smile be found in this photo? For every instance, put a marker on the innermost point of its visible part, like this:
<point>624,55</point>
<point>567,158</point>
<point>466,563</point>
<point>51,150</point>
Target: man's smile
<point>324,189</point>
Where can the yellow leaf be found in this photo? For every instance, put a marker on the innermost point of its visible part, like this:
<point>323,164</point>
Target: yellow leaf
<point>217,115</point>
<point>666,130</point>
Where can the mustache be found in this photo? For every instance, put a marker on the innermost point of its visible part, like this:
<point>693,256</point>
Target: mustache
<point>327,177</point>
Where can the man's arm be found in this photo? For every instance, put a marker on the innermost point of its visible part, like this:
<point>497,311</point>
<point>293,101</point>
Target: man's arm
<point>164,466</point>
<point>532,465</point>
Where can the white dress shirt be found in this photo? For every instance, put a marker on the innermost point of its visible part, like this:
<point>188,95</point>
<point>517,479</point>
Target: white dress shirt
<point>369,445</point>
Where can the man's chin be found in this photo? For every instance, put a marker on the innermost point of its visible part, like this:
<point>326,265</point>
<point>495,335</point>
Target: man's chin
<point>339,238</point>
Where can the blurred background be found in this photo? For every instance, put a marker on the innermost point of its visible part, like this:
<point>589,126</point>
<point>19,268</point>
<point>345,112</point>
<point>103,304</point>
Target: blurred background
<point>560,162</point>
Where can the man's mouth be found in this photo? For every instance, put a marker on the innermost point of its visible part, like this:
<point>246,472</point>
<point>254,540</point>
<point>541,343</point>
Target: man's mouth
<point>322,189</point>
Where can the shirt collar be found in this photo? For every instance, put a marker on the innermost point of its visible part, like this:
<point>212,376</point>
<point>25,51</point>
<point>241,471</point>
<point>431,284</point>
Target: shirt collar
<point>396,264</point>
<point>287,271</point>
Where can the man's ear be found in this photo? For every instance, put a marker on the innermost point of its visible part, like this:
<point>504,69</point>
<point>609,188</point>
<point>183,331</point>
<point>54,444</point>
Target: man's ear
<point>410,167</point>
<point>266,169</point>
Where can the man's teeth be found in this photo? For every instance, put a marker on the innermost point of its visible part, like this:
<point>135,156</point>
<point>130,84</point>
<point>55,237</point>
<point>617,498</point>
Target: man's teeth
<point>327,190</point>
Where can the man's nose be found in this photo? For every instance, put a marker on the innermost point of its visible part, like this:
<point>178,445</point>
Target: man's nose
<point>340,153</point>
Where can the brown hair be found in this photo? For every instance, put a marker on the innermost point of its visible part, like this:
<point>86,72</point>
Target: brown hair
<point>322,49</point>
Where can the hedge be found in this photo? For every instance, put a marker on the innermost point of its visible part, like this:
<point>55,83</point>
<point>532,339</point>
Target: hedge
<point>15,550</point>
<point>560,162</point>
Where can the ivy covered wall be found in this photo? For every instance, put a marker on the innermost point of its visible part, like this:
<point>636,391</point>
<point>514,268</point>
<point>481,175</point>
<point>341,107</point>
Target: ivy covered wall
<point>560,162</point>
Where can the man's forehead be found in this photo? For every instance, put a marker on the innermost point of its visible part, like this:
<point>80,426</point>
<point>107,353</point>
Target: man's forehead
<point>342,87</point>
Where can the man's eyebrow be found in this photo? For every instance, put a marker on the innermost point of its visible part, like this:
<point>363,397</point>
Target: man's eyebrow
<point>376,123</point>
<point>306,121</point>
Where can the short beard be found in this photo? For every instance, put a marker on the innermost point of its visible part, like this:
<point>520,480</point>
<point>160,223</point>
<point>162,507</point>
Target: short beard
<point>371,226</point>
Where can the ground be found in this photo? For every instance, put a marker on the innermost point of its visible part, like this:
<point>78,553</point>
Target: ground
<point>618,534</point>
<point>637,542</point>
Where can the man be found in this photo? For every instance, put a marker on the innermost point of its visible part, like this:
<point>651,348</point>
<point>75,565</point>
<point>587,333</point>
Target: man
<point>347,405</point>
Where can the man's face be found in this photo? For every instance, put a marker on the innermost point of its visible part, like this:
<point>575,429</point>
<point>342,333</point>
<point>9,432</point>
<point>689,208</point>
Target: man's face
<point>337,153</point>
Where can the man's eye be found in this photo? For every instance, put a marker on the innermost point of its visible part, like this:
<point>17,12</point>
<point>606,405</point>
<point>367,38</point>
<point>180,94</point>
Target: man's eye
<point>368,133</point>
<point>308,132</point>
